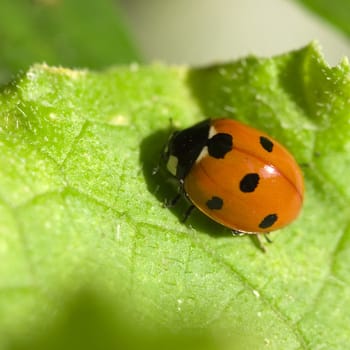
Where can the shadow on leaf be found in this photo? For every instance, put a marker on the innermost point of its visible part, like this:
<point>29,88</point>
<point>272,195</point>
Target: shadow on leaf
<point>164,187</point>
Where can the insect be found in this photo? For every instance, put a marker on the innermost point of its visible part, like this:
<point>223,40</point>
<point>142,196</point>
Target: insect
<point>237,175</point>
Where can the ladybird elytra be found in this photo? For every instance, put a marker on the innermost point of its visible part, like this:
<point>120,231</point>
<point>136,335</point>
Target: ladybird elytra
<point>237,175</point>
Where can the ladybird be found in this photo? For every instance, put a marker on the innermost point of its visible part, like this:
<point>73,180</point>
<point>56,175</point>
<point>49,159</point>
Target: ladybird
<point>237,175</point>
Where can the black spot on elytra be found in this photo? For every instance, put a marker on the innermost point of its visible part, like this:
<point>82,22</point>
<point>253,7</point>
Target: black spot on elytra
<point>219,145</point>
<point>215,203</point>
<point>249,182</point>
<point>266,144</point>
<point>268,221</point>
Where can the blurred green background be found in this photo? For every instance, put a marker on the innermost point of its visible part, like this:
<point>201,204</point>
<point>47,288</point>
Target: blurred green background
<point>97,34</point>
<point>203,31</point>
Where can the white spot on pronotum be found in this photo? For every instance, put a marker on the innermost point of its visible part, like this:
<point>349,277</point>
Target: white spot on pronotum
<point>203,154</point>
<point>212,132</point>
<point>172,164</point>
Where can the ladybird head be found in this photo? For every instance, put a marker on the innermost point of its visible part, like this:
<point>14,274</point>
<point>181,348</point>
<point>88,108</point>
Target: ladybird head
<point>168,156</point>
<point>183,149</point>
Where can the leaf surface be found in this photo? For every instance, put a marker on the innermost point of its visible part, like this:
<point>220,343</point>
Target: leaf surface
<point>81,34</point>
<point>81,209</point>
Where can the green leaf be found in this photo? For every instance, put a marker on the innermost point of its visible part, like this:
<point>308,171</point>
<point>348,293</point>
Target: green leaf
<point>73,33</point>
<point>336,12</point>
<point>81,210</point>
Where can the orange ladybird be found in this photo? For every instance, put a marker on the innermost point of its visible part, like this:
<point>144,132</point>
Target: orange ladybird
<point>237,175</point>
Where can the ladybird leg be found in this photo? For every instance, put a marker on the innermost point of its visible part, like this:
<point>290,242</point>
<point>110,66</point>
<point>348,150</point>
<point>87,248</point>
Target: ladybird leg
<point>188,212</point>
<point>267,238</point>
<point>260,243</point>
<point>237,233</point>
<point>172,203</point>
<point>256,238</point>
